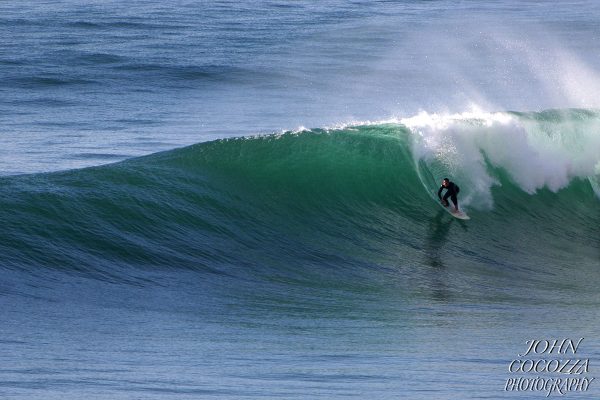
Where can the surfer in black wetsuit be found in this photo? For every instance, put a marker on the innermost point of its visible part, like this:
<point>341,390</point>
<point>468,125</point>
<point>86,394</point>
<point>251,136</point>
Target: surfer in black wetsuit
<point>452,191</point>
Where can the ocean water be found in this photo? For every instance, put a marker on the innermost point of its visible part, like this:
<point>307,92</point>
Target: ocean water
<point>237,200</point>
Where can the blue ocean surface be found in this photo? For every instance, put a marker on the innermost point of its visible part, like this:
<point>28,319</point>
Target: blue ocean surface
<point>237,200</point>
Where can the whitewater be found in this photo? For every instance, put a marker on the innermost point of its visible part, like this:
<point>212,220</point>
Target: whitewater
<point>239,200</point>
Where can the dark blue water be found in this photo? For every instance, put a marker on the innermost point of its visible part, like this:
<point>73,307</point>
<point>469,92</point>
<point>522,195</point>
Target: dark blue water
<point>85,83</point>
<point>308,264</point>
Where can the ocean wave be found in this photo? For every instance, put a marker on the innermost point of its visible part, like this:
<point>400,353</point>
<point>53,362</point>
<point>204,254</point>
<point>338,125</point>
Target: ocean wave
<point>359,195</point>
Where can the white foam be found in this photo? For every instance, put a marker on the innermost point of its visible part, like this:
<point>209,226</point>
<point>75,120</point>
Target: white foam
<point>535,153</point>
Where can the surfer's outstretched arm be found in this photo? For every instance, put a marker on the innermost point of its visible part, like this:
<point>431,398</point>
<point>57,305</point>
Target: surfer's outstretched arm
<point>440,192</point>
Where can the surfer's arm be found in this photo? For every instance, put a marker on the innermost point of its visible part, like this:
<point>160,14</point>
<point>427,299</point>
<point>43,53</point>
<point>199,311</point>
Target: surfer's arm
<point>440,192</point>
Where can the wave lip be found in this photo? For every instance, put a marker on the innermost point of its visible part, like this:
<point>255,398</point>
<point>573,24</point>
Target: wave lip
<point>536,150</point>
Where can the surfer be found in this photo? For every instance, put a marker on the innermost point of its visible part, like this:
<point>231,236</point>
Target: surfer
<point>452,191</point>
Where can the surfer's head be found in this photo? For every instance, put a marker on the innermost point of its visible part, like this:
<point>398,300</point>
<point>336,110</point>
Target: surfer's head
<point>445,182</point>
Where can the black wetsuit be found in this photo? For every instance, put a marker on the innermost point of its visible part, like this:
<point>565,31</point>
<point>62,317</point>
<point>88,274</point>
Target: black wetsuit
<point>452,191</point>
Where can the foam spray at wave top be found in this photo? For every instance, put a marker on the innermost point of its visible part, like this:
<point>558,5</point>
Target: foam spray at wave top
<point>536,150</point>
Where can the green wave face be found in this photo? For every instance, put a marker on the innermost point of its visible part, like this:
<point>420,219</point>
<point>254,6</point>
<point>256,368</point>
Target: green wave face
<point>335,201</point>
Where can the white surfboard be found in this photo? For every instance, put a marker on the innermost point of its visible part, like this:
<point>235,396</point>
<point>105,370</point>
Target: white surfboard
<point>459,214</point>
<point>456,214</point>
